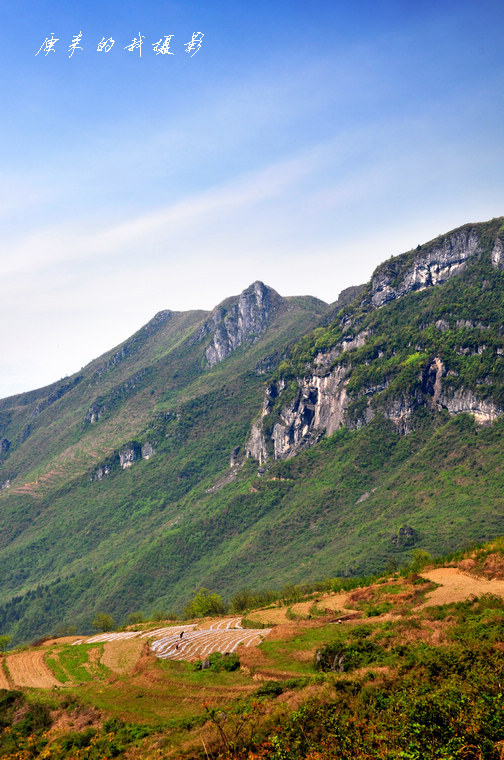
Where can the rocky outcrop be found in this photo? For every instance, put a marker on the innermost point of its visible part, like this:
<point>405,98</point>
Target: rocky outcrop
<point>498,254</point>
<point>463,400</point>
<point>321,406</point>
<point>129,455</point>
<point>126,457</point>
<point>427,268</point>
<point>102,472</point>
<point>94,413</point>
<point>147,451</point>
<point>405,538</point>
<point>238,321</point>
<point>256,444</point>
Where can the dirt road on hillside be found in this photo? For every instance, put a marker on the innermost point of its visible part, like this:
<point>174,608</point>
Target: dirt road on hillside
<point>277,615</point>
<point>456,586</point>
<point>29,669</point>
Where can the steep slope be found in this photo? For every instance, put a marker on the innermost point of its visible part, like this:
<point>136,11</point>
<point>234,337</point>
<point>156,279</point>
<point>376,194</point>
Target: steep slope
<point>426,333</point>
<point>381,431</point>
<point>96,465</point>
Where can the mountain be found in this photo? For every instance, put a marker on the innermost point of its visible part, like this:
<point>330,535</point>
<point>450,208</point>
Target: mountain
<point>100,467</point>
<point>272,440</point>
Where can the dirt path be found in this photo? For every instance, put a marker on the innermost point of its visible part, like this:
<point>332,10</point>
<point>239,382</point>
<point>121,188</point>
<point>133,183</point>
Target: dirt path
<point>456,586</point>
<point>29,669</point>
<point>277,615</point>
<point>121,656</point>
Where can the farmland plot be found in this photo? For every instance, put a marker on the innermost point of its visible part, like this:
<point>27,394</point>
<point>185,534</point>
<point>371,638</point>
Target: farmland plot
<point>189,642</point>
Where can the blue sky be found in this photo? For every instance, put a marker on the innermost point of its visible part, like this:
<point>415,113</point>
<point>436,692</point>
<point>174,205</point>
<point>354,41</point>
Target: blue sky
<point>301,145</point>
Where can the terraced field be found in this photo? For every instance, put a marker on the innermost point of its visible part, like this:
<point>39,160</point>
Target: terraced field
<point>189,642</point>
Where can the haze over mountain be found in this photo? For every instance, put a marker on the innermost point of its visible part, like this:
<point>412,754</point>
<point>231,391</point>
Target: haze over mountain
<point>271,440</point>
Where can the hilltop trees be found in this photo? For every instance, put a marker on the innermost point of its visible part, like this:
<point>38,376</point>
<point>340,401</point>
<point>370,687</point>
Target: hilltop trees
<point>204,603</point>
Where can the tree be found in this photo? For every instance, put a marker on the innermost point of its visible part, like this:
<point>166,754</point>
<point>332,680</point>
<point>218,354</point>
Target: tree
<point>103,622</point>
<point>4,641</point>
<point>204,603</point>
<point>134,618</point>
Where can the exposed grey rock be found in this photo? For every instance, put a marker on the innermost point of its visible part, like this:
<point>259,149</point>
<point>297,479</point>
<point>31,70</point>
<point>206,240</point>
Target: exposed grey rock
<point>497,254</point>
<point>405,538</point>
<point>147,451</point>
<point>400,412</point>
<point>5,484</point>
<point>129,455</point>
<point>234,456</point>
<point>101,472</point>
<point>318,408</point>
<point>235,322</point>
<point>256,444</point>
<point>428,268</point>
<point>464,400</point>
<point>94,413</point>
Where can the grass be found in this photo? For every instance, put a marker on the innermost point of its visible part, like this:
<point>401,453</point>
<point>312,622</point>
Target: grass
<point>147,537</point>
<point>423,683</point>
<point>77,663</point>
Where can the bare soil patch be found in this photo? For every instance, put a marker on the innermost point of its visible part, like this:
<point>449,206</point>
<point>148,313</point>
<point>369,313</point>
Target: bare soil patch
<point>121,656</point>
<point>29,669</point>
<point>336,603</point>
<point>457,586</point>
<point>77,720</point>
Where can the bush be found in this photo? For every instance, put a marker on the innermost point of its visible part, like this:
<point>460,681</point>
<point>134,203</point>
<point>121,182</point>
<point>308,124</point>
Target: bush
<point>204,603</point>
<point>217,662</point>
<point>103,622</point>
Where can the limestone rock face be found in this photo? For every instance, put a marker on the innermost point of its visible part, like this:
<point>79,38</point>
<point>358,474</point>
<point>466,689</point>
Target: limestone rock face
<point>320,407</point>
<point>147,451</point>
<point>124,458</point>
<point>427,269</point>
<point>129,455</point>
<point>94,413</point>
<point>102,472</point>
<point>498,254</point>
<point>463,400</point>
<point>238,321</point>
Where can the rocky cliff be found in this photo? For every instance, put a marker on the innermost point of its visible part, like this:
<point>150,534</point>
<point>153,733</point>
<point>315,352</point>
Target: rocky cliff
<point>238,320</point>
<point>431,265</point>
<point>339,385</point>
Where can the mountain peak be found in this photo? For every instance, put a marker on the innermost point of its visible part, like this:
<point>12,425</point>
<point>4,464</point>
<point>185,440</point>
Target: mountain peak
<point>238,320</point>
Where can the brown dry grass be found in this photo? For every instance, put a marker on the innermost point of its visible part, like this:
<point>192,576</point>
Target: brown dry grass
<point>457,586</point>
<point>335,603</point>
<point>29,669</point>
<point>76,720</point>
<point>121,656</point>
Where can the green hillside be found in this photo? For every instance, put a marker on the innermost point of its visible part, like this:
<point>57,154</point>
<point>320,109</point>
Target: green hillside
<point>127,485</point>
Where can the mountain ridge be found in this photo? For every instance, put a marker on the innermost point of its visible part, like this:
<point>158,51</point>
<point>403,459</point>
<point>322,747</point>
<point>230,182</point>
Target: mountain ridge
<point>132,487</point>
